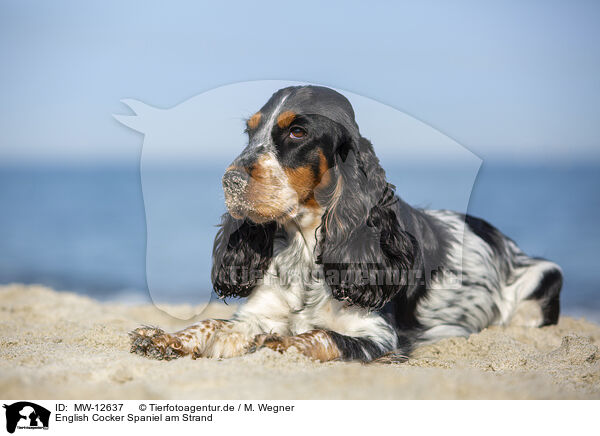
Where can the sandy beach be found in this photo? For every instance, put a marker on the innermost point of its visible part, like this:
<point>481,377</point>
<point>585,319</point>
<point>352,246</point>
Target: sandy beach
<point>66,346</point>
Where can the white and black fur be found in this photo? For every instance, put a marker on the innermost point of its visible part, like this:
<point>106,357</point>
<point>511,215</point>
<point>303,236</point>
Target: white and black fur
<point>348,270</point>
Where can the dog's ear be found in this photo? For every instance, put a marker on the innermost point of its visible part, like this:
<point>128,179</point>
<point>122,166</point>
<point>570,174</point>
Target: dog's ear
<point>241,254</point>
<point>365,253</point>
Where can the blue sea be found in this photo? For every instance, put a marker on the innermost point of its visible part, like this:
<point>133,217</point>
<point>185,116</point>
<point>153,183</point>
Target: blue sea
<point>84,229</point>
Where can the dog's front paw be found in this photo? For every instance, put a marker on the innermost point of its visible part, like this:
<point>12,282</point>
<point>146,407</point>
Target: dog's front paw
<point>154,343</point>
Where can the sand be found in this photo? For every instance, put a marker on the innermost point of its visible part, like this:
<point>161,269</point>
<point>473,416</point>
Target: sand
<point>58,345</point>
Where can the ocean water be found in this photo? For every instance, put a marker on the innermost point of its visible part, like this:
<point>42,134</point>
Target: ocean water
<point>85,229</point>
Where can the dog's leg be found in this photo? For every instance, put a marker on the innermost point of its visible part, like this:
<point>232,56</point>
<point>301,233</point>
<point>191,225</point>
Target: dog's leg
<point>208,338</point>
<point>263,312</point>
<point>535,290</point>
<point>326,345</point>
<point>157,344</point>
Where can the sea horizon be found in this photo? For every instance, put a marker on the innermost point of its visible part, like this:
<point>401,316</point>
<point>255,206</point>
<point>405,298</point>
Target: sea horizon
<point>82,228</point>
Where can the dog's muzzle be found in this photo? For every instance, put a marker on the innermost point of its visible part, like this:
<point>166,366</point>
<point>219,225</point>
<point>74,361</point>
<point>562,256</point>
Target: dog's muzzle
<point>262,194</point>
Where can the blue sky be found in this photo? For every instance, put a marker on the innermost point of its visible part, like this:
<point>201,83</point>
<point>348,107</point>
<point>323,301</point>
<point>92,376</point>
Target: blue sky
<point>512,81</point>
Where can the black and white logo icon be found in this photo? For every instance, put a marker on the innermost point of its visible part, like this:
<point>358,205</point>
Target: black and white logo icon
<point>26,415</point>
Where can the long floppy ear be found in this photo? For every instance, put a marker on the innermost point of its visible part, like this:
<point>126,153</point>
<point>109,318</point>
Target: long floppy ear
<point>365,253</point>
<point>241,254</point>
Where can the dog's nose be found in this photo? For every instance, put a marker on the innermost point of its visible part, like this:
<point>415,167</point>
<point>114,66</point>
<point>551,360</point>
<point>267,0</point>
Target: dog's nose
<point>235,181</point>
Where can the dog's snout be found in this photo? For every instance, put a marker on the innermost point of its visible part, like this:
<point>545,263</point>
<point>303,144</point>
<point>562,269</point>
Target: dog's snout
<point>235,181</point>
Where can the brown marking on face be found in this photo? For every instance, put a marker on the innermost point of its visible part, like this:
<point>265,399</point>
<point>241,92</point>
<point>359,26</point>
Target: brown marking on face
<point>285,119</point>
<point>264,191</point>
<point>311,203</point>
<point>322,180</point>
<point>324,176</point>
<point>259,170</point>
<point>302,180</point>
<point>254,120</point>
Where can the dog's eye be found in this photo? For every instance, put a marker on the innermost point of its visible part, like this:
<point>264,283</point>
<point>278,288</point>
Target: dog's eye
<point>297,133</point>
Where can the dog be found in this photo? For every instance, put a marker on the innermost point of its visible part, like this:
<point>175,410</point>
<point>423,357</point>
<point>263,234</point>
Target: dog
<point>333,263</point>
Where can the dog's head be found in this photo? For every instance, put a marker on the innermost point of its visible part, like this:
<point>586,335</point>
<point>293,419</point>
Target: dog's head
<point>292,140</point>
<point>305,155</point>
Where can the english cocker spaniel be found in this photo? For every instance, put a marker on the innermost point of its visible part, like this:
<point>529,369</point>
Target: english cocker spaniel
<point>335,264</point>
